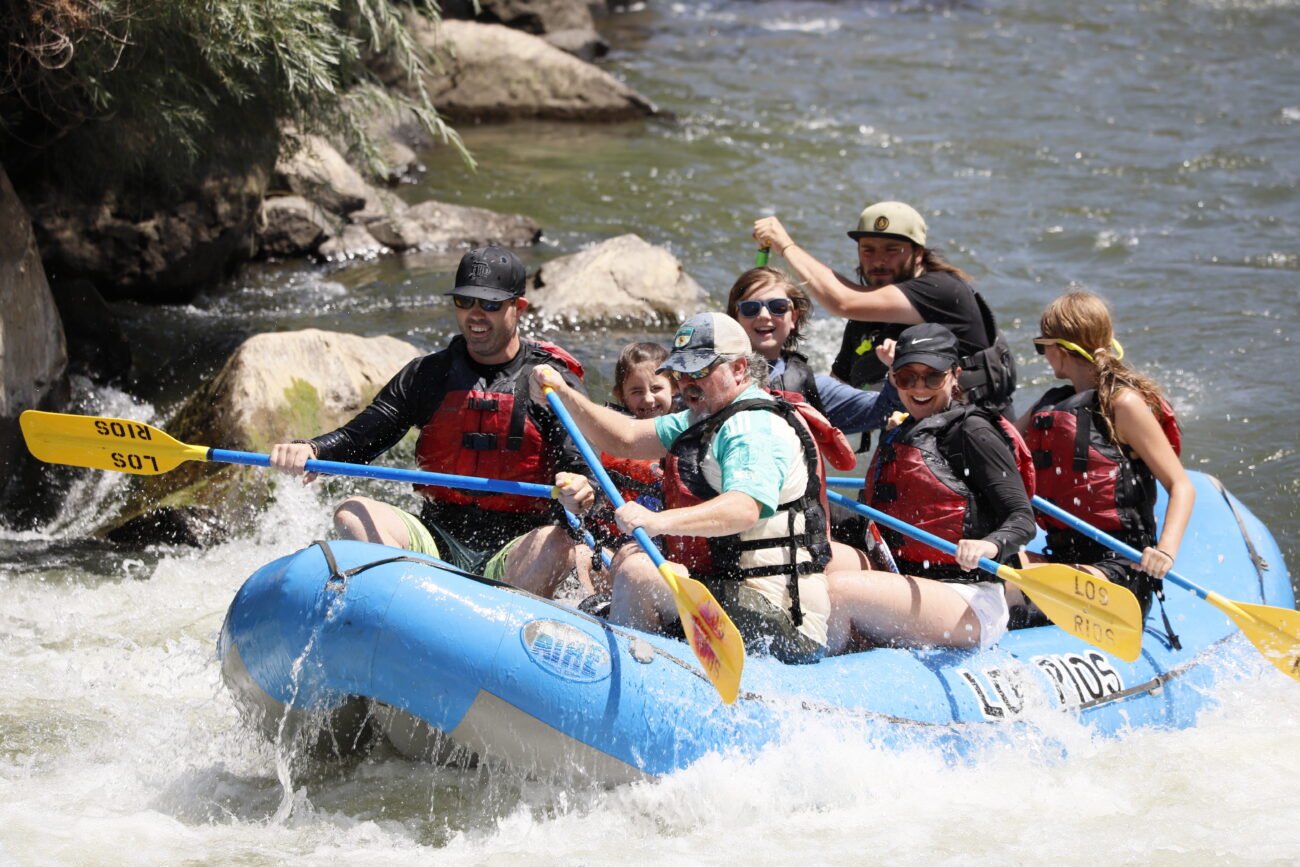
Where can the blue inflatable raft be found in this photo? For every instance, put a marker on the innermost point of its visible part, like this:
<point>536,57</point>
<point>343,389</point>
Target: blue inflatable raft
<point>347,641</point>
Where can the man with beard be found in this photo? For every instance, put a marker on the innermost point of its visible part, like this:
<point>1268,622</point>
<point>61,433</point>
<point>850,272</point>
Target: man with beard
<point>470,404</point>
<point>902,283</point>
<point>742,492</point>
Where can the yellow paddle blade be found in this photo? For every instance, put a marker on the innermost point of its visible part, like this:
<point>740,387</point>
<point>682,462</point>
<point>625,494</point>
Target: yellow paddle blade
<point>1100,612</point>
<point>104,443</point>
<point>709,631</point>
<point>1274,631</point>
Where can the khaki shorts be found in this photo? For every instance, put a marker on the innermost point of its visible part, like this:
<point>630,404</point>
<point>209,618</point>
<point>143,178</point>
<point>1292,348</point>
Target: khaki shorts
<point>421,541</point>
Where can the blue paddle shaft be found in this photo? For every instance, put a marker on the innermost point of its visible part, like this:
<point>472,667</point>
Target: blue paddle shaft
<point>1055,511</point>
<point>598,470</point>
<point>906,529</point>
<point>392,474</point>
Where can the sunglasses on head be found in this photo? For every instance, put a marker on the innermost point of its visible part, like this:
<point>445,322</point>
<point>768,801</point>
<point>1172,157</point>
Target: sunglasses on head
<point>464,302</point>
<point>908,379</point>
<point>776,306</point>
<point>1041,343</point>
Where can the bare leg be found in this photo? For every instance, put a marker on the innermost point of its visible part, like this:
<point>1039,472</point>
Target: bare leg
<point>641,598</point>
<point>367,520</point>
<point>846,558</point>
<point>539,561</point>
<point>898,610</point>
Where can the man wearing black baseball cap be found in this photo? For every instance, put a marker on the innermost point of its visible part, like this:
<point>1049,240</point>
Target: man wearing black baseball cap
<point>901,282</point>
<point>470,404</point>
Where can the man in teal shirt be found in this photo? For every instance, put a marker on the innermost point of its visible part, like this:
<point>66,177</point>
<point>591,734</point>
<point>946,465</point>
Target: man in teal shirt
<point>742,495</point>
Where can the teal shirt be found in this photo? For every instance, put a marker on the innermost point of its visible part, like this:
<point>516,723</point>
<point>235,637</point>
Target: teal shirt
<point>753,456</point>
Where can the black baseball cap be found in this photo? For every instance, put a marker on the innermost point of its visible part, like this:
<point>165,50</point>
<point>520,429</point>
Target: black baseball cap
<point>490,273</point>
<point>930,344</point>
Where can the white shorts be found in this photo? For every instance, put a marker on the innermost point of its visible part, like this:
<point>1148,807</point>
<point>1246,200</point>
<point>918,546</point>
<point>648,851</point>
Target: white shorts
<point>988,599</point>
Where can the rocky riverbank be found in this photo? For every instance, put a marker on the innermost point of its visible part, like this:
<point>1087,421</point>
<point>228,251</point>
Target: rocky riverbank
<point>66,256</point>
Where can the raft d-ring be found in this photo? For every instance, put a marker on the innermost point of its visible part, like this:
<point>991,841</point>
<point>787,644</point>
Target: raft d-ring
<point>641,650</point>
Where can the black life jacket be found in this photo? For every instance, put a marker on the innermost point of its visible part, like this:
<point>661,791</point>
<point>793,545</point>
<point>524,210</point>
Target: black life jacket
<point>716,559</point>
<point>988,377</point>
<point>799,379</point>
<point>1084,471</point>
<point>912,478</point>
<point>489,433</point>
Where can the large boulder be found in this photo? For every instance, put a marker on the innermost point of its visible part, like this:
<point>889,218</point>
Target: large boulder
<point>489,72</point>
<point>273,388</point>
<point>439,226</point>
<point>162,250</point>
<point>624,281</point>
<point>33,353</point>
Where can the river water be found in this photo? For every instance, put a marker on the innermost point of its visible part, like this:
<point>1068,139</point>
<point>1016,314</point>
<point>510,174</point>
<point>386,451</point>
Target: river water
<point>1143,150</point>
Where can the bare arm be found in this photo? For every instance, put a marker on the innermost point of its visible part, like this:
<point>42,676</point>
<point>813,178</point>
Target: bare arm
<point>725,515</point>
<point>838,295</point>
<point>607,429</point>
<point>1137,426</point>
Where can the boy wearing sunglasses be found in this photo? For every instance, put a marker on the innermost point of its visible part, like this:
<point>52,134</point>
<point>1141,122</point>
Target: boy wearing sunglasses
<point>470,404</point>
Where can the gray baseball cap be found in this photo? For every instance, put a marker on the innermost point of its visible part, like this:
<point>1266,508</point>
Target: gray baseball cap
<point>702,339</point>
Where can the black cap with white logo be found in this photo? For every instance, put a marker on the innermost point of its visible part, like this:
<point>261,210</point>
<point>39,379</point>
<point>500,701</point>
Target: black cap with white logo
<point>490,273</point>
<point>928,343</point>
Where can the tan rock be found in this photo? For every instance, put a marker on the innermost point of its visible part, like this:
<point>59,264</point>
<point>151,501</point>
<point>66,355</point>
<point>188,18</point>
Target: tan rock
<point>491,72</point>
<point>622,281</point>
<point>274,388</point>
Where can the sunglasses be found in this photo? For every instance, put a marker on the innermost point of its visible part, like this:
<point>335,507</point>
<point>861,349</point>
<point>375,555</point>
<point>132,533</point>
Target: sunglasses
<point>908,379</point>
<point>1041,344</point>
<point>699,374</point>
<point>776,306</point>
<point>464,302</point>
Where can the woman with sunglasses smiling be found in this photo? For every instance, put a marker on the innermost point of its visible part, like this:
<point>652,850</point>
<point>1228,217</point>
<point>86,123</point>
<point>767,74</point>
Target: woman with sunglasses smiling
<point>1100,444</point>
<point>950,468</point>
<point>771,308</point>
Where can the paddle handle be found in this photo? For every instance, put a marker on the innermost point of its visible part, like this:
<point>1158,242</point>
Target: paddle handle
<point>1055,511</point>
<point>907,529</point>
<point>392,474</point>
<point>606,483</point>
<point>761,257</point>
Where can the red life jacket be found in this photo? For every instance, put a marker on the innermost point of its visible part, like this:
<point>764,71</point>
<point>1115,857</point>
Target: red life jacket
<point>1081,469</point>
<point>489,433</point>
<point>912,479</point>
<point>717,558</point>
<point>639,481</point>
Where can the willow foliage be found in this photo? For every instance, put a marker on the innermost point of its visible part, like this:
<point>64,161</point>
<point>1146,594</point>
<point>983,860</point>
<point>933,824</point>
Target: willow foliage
<point>147,91</point>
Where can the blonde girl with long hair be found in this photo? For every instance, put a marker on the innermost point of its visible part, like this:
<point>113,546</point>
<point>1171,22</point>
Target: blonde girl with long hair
<point>1100,444</point>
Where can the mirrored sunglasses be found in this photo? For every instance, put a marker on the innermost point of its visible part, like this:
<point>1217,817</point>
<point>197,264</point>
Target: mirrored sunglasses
<point>464,302</point>
<point>699,374</point>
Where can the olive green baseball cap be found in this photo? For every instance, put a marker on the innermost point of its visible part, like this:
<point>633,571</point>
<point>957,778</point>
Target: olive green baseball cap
<point>891,220</point>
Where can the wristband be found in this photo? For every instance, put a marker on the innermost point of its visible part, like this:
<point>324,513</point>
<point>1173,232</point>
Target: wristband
<point>1166,553</point>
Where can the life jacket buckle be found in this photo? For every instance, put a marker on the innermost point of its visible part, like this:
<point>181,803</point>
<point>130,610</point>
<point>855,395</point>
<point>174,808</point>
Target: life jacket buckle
<point>479,442</point>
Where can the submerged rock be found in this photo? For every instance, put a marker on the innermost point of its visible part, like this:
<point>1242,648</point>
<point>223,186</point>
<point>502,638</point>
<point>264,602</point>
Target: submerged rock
<point>623,281</point>
<point>274,388</point>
